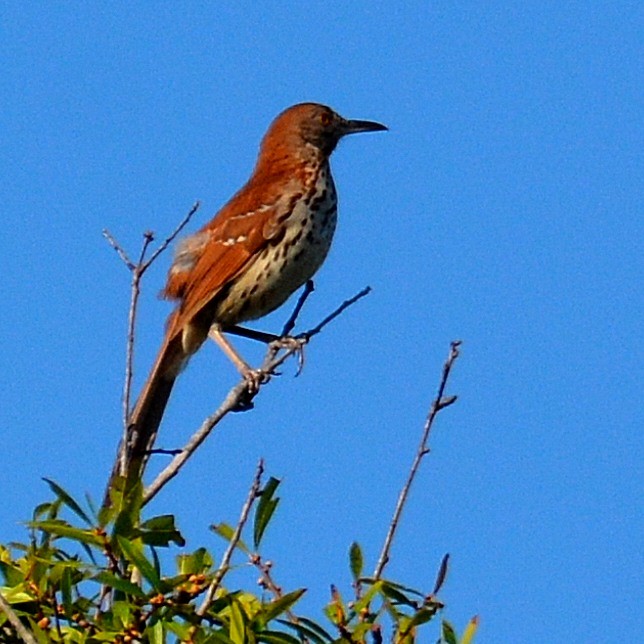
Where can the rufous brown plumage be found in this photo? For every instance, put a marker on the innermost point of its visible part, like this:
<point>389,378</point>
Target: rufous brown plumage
<point>267,241</point>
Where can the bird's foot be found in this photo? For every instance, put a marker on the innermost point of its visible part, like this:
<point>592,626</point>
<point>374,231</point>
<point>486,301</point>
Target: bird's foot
<point>254,378</point>
<point>294,344</point>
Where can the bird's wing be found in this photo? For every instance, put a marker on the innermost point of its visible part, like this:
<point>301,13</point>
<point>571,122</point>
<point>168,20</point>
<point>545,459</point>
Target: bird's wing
<point>207,261</point>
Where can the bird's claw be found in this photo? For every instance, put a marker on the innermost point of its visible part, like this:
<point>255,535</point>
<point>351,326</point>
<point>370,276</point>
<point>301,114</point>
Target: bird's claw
<point>254,378</point>
<point>295,344</point>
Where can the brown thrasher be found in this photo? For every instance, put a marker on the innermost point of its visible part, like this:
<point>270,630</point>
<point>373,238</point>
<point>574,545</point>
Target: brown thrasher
<point>265,243</point>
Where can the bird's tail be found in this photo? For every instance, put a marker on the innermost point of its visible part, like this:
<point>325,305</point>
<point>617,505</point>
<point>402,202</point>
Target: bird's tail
<point>148,412</point>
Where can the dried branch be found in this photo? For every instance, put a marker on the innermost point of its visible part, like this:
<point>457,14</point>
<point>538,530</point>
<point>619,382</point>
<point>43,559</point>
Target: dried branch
<point>439,402</point>
<point>137,269</point>
<point>225,561</point>
<point>309,287</point>
<point>119,249</point>
<point>329,318</point>
<point>238,397</point>
<point>26,636</point>
<point>135,292</point>
<point>171,237</point>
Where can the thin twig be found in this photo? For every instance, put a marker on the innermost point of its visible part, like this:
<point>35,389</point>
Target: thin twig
<point>267,581</point>
<point>26,636</point>
<point>234,540</point>
<point>171,237</point>
<point>438,403</point>
<point>329,318</point>
<point>309,287</point>
<point>119,249</point>
<point>135,292</point>
<point>237,396</point>
<point>137,269</point>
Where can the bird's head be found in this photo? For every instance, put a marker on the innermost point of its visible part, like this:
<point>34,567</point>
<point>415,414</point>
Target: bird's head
<point>312,124</point>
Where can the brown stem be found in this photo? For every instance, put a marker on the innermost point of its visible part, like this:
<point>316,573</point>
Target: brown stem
<point>234,540</point>
<point>438,403</point>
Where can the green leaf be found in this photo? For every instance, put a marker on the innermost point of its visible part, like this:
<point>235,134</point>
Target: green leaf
<point>226,531</point>
<point>421,617</point>
<point>277,607</point>
<point>61,528</point>
<point>67,500</point>
<point>122,612</point>
<point>136,557</point>
<point>265,509</point>
<point>391,584</point>
<point>216,637</point>
<point>237,623</point>
<point>277,637</point>
<point>118,583</point>
<point>356,560</point>
<point>200,561</point>
<point>470,630</point>
<point>66,591</point>
<point>12,575</point>
<point>366,598</point>
<point>154,633</point>
<point>160,531</point>
<point>128,505</point>
<point>442,573</point>
<point>309,630</point>
<point>449,634</point>
<point>40,510</point>
<point>393,593</point>
<point>156,562</point>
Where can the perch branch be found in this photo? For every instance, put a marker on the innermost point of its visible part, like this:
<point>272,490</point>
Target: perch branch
<point>237,399</point>
<point>439,402</point>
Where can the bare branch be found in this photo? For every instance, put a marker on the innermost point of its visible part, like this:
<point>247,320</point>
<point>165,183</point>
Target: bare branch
<point>26,636</point>
<point>170,238</point>
<point>329,318</point>
<point>234,540</point>
<point>119,249</point>
<point>135,292</point>
<point>137,269</point>
<point>438,403</point>
<point>238,398</point>
<point>309,287</point>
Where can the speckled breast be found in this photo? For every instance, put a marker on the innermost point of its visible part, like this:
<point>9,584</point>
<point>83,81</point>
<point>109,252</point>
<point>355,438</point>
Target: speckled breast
<point>287,263</point>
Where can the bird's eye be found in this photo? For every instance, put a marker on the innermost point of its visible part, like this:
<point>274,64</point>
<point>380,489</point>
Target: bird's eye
<point>326,119</point>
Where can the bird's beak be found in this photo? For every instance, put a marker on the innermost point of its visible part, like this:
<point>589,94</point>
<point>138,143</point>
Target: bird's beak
<point>353,127</point>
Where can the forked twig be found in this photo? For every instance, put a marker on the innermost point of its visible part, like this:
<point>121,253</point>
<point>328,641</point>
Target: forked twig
<point>26,636</point>
<point>439,402</point>
<point>307,335</point>
<point>172,236</point>
<point>137,270</point>
<point>237,396</point>
<point>234,540</point>
<point>135,292</point>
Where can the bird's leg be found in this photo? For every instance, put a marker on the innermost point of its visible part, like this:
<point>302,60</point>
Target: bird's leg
<point>254,377</point>
<point>279,341</point>
<point>251,334</point>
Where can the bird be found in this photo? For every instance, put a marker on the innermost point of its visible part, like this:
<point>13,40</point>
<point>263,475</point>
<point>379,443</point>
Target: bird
<point>268,240</point>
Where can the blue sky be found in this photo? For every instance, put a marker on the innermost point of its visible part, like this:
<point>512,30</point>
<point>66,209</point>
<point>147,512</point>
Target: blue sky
<point>502,208</point>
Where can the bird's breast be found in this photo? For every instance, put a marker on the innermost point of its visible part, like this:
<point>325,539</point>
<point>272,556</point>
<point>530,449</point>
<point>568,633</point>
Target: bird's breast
<point>289,260</point>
